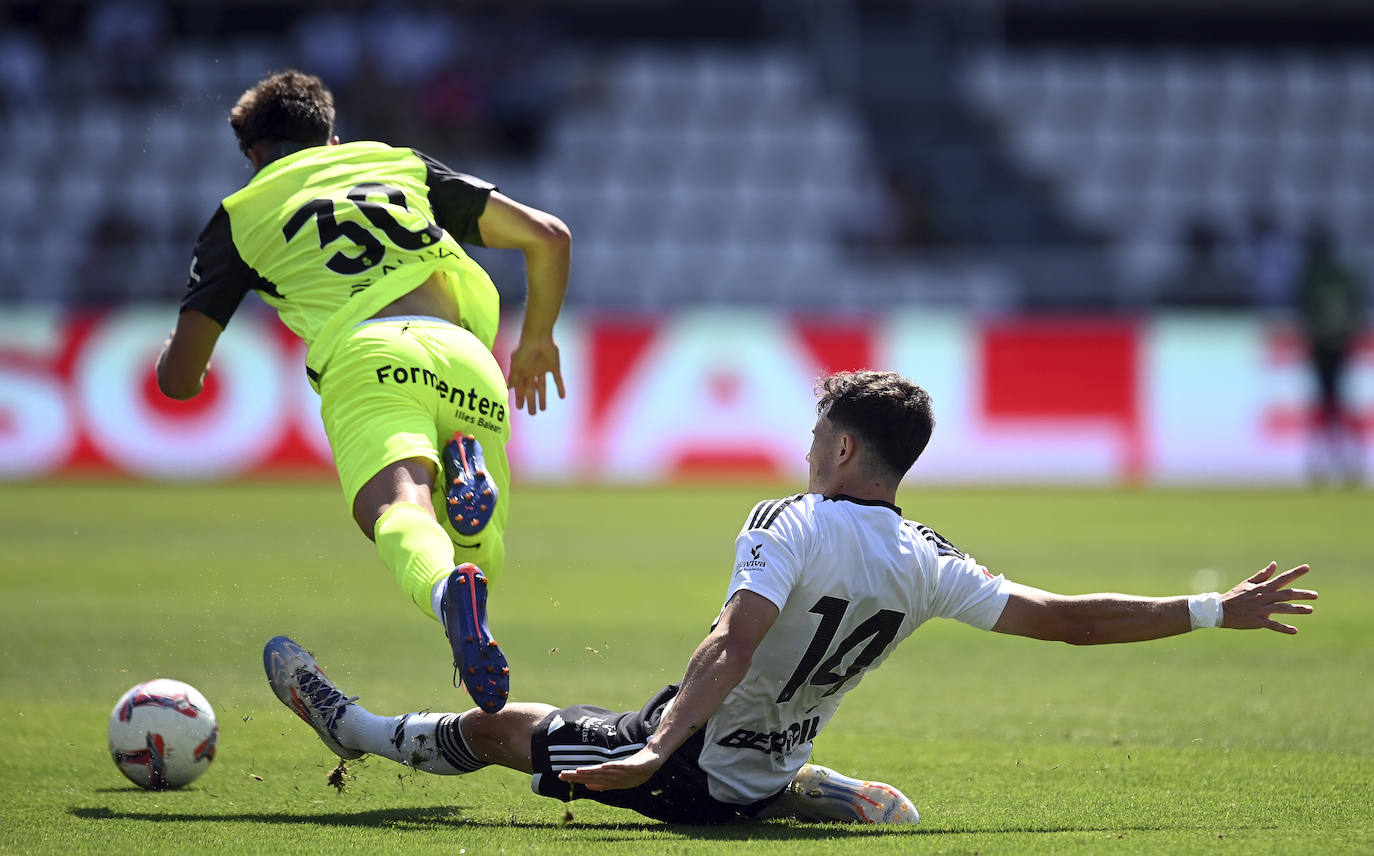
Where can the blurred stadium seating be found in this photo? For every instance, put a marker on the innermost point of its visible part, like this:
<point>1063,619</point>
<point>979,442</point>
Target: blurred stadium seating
<point>696,175</point>
<point>1139,142</point>
<point>836,155</point>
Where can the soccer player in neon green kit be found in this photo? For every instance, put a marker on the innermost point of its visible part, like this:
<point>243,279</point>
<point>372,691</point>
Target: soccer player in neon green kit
<point>357,247</point>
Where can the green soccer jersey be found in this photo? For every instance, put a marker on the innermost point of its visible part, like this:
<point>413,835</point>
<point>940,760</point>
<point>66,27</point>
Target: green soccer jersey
<point>329,235</point>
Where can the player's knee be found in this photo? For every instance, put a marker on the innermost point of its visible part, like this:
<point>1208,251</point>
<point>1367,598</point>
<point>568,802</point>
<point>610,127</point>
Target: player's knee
<point>368,514</point>
<point>410,481</point>
<point>366,527</point>
<point>487,735</point>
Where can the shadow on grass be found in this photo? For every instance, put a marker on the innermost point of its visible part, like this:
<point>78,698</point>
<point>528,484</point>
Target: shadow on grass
<point>450,817</point>
<point>396,818</point>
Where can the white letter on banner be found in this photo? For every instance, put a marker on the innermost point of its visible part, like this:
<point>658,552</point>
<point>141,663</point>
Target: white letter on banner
<point>551,444</point>
<point>1209,386</point>
<point>229,434</point>
<point>713,384</point>
<point>938,351</point>
<point>35,425</point>
<point>37,430</point>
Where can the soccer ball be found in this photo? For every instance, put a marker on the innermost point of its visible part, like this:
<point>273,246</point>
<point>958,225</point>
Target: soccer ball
<point>162,734</point>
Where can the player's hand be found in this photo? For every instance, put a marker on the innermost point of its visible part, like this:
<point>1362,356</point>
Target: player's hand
<point>1249,605</point>
<point>529,363</point>
<point>615,775</point>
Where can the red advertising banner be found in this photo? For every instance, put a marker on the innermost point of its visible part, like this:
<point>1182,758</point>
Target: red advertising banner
<point>713,395</point>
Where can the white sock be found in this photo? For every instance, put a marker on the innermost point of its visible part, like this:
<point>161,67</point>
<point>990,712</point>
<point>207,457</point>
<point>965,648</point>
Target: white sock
<point>432,742</point>
<point>436,597</point>
<point>360,728</point>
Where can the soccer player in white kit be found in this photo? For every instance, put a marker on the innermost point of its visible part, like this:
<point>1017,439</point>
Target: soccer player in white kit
<point>825,585</point>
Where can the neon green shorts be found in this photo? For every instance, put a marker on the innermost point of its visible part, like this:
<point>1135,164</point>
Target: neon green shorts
<point>400,388</point>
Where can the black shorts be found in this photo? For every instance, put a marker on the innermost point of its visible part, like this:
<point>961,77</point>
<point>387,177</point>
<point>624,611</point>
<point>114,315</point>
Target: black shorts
<point>583,735</point>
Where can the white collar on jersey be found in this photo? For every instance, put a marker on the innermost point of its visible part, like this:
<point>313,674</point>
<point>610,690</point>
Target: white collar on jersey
<point>844,497</point>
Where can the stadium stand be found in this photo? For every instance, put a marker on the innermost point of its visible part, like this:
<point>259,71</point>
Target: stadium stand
<point>826,155</point>
<point>704,174</point>
<point>1139,143</point>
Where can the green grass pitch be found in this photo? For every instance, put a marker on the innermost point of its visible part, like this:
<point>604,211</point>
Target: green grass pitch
<point>1214,742</point>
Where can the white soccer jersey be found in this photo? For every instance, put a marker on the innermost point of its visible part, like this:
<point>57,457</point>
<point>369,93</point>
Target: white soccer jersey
<point>850,579</point>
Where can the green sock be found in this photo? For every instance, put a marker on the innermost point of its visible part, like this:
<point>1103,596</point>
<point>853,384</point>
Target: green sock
<point>416,549</point>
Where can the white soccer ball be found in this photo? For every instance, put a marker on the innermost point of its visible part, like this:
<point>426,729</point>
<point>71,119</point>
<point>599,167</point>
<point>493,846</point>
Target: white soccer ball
<point>163,734</point>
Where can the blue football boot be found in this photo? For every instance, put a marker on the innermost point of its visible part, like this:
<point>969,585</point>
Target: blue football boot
<point>477,660</point>
<point>471,493</point>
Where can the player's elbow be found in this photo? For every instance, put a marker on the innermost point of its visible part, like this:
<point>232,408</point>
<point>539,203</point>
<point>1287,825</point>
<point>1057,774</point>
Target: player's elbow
<point>728,652</point>
<point>552,233</point>
<point>742,655</point>
<point>177,392</point>
<point>739,657</point>
<point>176,387</point>
<point>1052,618</point>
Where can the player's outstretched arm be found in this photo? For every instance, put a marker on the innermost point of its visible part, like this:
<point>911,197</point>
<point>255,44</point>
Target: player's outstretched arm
<point>185,356</point>
<point>717,666</point>
<point>1097,619</point>
<point>547,245</point>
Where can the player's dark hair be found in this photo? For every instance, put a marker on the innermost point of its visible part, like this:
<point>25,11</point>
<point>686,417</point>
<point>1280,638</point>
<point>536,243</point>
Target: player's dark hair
<point>286,107</point>
<point>885,410</point>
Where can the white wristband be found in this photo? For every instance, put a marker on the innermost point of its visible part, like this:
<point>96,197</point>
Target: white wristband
<point>1204,610</point>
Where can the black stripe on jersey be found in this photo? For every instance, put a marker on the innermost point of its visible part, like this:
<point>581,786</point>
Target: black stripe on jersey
<point>767,511</point>
<point>782,506</point>
<point>943,547</point>
<point>760,511</point>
